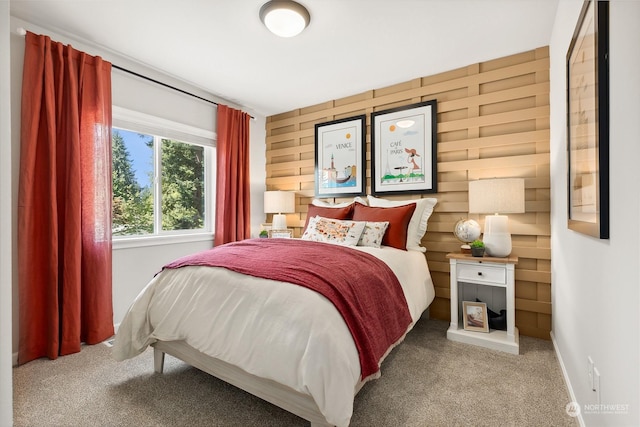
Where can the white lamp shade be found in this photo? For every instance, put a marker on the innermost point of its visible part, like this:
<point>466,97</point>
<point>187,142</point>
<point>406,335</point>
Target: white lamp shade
<point>497,196</point>
<point>279,202</point>
<point>504,195</point>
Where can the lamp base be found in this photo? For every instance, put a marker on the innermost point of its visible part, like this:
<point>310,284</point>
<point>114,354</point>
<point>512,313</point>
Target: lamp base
<point>279,222</point>
<point>496,238</point>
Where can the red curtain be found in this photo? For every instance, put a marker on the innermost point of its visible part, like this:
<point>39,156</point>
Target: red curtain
<point>232,176</point>
<point>64,201</point>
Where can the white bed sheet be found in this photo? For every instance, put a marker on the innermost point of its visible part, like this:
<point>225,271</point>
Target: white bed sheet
<point>282,332</point>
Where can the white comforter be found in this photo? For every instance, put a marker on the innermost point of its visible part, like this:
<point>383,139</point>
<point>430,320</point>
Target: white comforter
<point>282,332</point>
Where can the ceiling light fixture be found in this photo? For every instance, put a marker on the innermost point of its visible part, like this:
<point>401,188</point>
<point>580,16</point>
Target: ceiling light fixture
<point>284,18</point>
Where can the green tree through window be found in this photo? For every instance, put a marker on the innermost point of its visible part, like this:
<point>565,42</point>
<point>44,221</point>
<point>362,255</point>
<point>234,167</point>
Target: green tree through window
<point>182,186</point>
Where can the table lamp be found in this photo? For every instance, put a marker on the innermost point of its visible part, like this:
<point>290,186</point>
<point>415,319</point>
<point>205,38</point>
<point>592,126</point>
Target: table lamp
<point>497,196</point>
<point>278,203</point>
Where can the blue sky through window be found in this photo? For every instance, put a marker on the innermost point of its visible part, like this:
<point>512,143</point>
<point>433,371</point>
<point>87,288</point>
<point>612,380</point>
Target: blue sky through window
<point>140,154</point>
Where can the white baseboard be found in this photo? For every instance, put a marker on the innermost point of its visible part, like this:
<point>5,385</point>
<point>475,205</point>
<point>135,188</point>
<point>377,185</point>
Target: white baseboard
<point>565,375</point>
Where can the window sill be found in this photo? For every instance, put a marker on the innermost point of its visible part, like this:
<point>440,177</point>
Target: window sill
<point>160,240</point>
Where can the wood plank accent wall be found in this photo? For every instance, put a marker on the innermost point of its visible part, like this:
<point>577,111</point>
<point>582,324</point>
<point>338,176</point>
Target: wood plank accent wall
<point>493,121</point>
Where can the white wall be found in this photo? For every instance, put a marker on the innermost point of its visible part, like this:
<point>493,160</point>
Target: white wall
<point>133,267</point>
<point>6,210</point>
<point>596,282</point>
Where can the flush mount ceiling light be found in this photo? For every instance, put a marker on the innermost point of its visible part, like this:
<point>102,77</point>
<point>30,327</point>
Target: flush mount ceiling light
<point>284,18</point>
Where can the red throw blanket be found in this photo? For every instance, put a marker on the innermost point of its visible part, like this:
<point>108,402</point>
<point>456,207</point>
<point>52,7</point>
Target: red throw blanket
<point>363,288</point>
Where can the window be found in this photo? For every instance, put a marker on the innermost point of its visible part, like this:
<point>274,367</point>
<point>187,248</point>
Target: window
<point>160,185</point>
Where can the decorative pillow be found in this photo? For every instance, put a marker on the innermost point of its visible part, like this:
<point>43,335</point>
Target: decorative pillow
<point>321,203</point>
<point>345,212</point>
<point>373,234</point>
<point>398,218</point>
<point>418,223</point>
<point>329,230</point>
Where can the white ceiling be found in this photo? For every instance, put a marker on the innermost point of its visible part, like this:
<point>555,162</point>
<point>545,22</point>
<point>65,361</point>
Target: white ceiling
<point>351,46</point>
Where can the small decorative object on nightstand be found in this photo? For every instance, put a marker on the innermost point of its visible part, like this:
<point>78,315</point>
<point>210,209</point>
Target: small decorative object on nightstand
<point>492,281</point>
<point>477,248</point>
<point>466,230</point>
<point>265,227</point>
<point>281,234</point>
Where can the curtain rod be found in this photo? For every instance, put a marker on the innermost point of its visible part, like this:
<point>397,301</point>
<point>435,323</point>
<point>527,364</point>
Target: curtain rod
<point>117,67</point>
<point>21,31</point>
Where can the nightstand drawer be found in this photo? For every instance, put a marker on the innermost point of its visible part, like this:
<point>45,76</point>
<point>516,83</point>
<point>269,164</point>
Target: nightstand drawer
<point>483,273</point>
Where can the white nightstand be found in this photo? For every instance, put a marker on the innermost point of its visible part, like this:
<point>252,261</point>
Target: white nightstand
<point>491,280</point>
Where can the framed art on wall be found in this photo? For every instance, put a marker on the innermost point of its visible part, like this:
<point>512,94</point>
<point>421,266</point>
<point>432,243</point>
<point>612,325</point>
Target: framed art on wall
<point>403,150</point>
<point>588,122</point>
<point>340,157</point>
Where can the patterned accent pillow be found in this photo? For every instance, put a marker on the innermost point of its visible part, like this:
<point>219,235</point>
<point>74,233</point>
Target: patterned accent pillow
<point>345,212</point>
<point>373,234</point>
<point>330,230</point>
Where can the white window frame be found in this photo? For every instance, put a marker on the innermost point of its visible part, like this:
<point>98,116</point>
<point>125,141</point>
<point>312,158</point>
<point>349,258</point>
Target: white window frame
<point>164,128</point>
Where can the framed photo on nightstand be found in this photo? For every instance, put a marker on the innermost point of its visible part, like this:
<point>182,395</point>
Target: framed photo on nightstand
<point>474,316</point>
<point>280,234</point>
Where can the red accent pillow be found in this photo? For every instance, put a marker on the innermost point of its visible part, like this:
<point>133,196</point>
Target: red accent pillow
<point>334,213</point>
<point>398,217</point>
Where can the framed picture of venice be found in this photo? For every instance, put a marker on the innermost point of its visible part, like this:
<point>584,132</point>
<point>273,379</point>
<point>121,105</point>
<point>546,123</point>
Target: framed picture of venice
<point>340,157</point>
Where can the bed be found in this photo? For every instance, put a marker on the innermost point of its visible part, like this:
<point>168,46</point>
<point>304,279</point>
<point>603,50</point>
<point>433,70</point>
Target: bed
<point>280,340</point>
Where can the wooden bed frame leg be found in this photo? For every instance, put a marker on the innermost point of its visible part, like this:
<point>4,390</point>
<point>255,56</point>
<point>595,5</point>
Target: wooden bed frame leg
<point>158,360</point>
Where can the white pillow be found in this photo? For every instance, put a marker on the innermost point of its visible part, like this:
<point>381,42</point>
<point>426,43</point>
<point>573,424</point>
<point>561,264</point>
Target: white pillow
<point>373,234</point>
<point>329,230</point>
<point>418,224</point>
<point>321,203</point>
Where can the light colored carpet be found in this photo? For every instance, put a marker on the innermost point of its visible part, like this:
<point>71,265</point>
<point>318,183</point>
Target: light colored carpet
<point>426,381</point>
